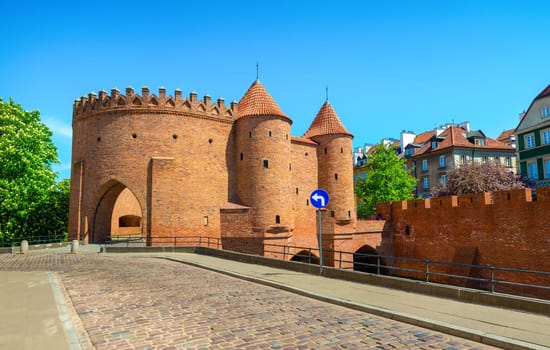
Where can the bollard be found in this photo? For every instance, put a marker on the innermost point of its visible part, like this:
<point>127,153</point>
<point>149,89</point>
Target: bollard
<point>24,247</point>
<point>74,247</point>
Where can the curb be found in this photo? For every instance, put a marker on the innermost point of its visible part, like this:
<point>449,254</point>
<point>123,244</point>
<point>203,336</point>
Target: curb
<point>64,317</point>
<point>466,333</point>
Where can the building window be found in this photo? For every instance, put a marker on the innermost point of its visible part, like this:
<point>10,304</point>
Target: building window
<point>444,180</point>
<point>544,112</point>
<point>463,158</point>
<point>296,190</point>
<point>269,133</point>
<point>441,161</point>
<point>325,150</point>
<point>547,168</point>
<point>277,219</point>
<point>529,141</point>
<point>205,220</point>
<point>424,164</point>
<point>250,134</point>
<point>335,176</point>
<point>532,171</point>
<point>485,159</point>
<point>242,155</point>
<point>426,183</point>
<point>266,163</point>
<point>546,136</point>
<point>509,161</point>
<point>409,152</point>
<point>480,142</point>
<point>434,144</point>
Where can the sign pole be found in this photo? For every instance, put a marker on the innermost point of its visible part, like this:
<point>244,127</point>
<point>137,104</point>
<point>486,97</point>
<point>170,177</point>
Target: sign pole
<point>320,241</point>
<point>319,199</point>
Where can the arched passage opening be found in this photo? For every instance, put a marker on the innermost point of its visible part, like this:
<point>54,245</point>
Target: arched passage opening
<point>126,215</point>
<point>118,213</point>
<point>366,259</point>
<point>305,256</point>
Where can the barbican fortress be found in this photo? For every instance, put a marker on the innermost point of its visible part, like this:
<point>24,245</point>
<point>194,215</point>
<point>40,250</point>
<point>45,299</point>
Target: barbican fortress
<point>169,168</point>
<point>166,166</point>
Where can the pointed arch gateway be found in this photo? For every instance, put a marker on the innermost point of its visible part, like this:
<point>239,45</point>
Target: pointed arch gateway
<point>306,257</point>
<point>366,259</point>
<point>118,213</point>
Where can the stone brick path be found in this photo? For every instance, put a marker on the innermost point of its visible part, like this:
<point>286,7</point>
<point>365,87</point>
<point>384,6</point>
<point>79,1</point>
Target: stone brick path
<point>123,302</point>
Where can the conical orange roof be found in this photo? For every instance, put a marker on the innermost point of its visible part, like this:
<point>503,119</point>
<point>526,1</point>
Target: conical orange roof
<point>326,123</point>
<point>257,101</point>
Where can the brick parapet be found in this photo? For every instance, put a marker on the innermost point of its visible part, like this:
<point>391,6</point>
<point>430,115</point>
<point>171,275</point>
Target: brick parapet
<point>505,229</point>
<point>94,104</point>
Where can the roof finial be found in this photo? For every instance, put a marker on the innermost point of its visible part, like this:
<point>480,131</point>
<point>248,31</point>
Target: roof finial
<point>257,71</point>
<point>326,92</point>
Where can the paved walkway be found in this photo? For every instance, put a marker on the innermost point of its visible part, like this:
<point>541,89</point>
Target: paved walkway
<point>133,301</point>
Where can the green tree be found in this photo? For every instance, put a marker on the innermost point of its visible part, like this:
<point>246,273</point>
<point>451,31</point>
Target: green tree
<point>27,182</point>
<point>477,178</point>
<point>387,180</point>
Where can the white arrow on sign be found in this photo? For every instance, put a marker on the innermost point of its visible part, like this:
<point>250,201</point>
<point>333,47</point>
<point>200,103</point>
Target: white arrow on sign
<point>316,197</point>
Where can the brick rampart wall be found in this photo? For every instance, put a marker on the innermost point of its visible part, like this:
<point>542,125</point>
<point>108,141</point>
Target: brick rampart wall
<point>505,229</point>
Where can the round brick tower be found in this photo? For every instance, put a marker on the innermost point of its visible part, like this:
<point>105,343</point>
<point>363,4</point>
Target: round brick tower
<point>335,165</point>
<point>263,160</point>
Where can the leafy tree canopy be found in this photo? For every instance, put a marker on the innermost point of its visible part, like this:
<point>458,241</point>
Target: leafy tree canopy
<point>387,180</point>
<point>27,182</point>
<point>477,178</point>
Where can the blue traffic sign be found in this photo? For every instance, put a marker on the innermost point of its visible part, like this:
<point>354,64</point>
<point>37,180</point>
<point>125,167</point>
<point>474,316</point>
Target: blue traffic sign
<point>319,198</point>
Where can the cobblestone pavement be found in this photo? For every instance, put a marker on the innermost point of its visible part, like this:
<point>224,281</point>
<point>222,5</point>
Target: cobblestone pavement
<point>145,303</point>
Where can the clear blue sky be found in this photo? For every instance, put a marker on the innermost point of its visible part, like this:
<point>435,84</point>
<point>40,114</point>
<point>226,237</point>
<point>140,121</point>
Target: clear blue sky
<point>389,65</point>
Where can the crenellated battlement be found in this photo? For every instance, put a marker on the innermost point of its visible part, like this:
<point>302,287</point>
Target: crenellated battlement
<point>502,199</point>
<point>103,102</point>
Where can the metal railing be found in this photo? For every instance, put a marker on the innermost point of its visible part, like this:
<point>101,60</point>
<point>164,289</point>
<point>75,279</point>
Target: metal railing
<point>483,277</point>
<point>33,240</point>
<point>170,241</point>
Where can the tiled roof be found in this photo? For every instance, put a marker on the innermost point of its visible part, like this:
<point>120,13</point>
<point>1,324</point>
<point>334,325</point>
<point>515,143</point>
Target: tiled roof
<point>504,137</point>
<point>258,102</point>
<point>302,140</point>
<point>424,137</point>
<point>326,123</point>
<point>455,136</point>
<point>544,93</point>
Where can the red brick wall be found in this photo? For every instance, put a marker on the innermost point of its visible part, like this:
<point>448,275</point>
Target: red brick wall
<point>237,233</point>
<point>336,174</point>
<point>304,181</point>
<point>263,173</point>
<point>504,229</point>
<point>117,145</point>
